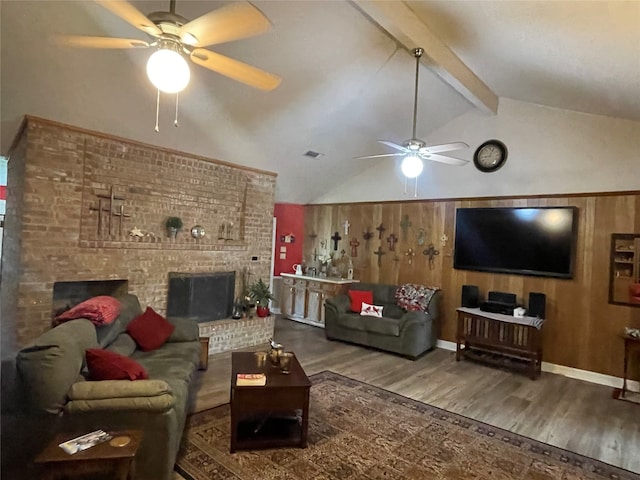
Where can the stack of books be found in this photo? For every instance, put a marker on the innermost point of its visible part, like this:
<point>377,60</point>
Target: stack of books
<point>251,380</point>
<point>88,440</point>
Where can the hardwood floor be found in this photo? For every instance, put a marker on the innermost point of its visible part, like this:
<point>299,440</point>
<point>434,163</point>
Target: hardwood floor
<point>571,414</point>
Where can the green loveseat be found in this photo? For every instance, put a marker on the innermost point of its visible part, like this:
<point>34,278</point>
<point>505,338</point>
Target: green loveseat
<point>52,376</point>
<point>408,333</point>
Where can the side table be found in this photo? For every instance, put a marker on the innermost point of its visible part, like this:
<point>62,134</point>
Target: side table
<point>630,344</point>
<point>102,458</point>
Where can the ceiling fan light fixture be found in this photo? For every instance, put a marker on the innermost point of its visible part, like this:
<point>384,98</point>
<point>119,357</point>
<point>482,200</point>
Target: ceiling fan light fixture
<point>411,166</point>
<point>168,70</point>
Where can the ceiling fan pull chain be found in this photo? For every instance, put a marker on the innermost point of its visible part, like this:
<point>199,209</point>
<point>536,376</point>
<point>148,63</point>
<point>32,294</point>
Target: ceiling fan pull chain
<point>175,122</point>
<point>157,129</point>
<point>415,191</point>
<point>417,52</point>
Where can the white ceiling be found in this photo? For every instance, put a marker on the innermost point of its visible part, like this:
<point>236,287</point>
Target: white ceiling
<point>346,82</point>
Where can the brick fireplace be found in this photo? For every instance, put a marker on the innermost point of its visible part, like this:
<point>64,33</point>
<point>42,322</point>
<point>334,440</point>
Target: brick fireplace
<point>75,195</point>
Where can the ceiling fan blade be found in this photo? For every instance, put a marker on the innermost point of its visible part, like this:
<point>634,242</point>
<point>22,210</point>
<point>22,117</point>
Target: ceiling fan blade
<point>98,42</point>
<point>444,159</point>
<point>234,69</point>
<point>231,22</point>
<point>379,156</point>
<point>130,14</point>
<point>445,147</point>
<point>393,145</point>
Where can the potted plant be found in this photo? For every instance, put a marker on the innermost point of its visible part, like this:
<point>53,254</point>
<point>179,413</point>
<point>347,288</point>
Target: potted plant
<point>173,225</point>
<point>260,293</point>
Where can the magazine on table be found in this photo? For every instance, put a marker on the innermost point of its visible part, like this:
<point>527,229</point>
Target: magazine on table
<point>83,442</point>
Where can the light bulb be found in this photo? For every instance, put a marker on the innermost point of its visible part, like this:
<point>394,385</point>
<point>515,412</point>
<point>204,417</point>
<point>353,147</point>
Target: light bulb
<point>168,71</point>
<point>411,166</point>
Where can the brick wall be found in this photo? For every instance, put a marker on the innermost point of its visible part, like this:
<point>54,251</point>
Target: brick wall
<point>69,175</point>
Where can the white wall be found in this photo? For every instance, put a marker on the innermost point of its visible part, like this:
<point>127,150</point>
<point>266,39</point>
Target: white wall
<point>551,151</point>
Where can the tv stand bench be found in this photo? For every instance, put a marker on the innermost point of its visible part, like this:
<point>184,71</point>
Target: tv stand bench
<point>513,342</point>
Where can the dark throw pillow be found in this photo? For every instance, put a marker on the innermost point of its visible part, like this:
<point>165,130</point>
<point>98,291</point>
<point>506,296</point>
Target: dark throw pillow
<point>150,330</point>
<point>359,296</point>
<point>100,310</point>
<point>106,365</point>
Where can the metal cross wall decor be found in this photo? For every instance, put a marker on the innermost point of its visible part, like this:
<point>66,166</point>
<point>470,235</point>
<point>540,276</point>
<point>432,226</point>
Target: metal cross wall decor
<point>336,238</point>
<point>392,240</point>
<point>405,224</point>
<point>431,252</point>
<point>410,254</point>
<point>421,237</point>
<point>354,246</point>
<point>379,253</point>
<point>380,230</point>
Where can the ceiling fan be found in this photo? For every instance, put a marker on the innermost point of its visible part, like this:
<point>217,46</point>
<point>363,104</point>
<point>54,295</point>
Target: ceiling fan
<point>177,38</point>
<point>415,150</point>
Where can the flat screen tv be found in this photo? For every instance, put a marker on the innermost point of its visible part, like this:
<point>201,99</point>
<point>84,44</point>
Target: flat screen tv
<point>525,241</point>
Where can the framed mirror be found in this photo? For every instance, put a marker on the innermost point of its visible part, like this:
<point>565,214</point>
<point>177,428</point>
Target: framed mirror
<point>624,275</point>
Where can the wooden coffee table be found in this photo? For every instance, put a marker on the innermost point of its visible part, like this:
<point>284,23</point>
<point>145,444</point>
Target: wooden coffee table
<point>101,458</point>
<point>272,416</point>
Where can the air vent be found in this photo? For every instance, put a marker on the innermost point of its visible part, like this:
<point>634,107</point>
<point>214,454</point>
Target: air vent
<point>312,154</point>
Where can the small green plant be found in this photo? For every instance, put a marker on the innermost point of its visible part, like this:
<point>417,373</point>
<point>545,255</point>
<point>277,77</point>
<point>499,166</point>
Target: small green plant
<point>260,293</point>
<point>174,222</point>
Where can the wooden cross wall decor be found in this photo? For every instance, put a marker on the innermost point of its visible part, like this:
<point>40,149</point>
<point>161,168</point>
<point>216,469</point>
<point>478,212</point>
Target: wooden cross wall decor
<point>405,224</point>
<point>313,235</point>
<point>392,240</point>
<point>380,230</point>
<point>354,246</point>
<point>379,253</point>
<point>113,209</point>
<point>336,238</point>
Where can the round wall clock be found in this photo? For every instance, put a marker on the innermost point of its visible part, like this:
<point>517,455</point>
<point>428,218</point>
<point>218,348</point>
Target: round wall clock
<point>490,156</point>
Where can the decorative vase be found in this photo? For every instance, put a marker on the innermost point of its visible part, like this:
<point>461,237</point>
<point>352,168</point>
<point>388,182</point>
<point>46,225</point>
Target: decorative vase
<point>262,311</point>
<point>172,232</point>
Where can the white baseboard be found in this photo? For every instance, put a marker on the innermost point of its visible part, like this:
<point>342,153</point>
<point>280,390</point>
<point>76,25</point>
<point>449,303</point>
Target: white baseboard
<point>570,372</point>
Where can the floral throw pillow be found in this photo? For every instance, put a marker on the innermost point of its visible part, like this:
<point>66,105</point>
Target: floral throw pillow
<point>414,297</point>
<point>371,310</point>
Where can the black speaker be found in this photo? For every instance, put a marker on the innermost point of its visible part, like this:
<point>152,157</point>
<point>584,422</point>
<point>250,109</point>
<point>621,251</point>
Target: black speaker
<point>537,304</point>
<point>470,296</point>
<point>502,297</point>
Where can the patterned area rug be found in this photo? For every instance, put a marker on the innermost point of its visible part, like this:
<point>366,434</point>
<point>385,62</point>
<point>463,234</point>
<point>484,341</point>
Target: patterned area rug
<point>358,431</point>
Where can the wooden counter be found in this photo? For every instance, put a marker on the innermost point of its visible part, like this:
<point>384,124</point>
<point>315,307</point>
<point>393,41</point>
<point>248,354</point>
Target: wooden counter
<point>303,296</point>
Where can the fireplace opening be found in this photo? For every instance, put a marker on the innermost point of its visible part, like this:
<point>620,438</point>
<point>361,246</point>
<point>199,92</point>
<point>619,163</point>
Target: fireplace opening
<point>202,297</point>
<point>69,294</point>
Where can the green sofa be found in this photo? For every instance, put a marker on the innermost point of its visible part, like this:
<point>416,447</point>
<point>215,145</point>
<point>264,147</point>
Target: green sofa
<point>51,372</point>
<point>408,333</point>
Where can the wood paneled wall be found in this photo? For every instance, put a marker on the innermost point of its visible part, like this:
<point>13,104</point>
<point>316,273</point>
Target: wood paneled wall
<point>582,329</point>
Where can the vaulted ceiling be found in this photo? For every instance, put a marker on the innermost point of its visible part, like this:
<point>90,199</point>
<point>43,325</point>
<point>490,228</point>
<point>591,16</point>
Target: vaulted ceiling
<point>347,76</point>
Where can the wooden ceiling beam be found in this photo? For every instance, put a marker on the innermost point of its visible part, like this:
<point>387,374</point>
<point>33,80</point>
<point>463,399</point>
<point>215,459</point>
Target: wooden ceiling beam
<point>399,21</point>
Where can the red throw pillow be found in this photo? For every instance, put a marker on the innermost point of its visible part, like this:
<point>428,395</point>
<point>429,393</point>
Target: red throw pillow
<point>106,365</point>
<point>100,310</point>
<point>150,330</point>
<point>359,296</point>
